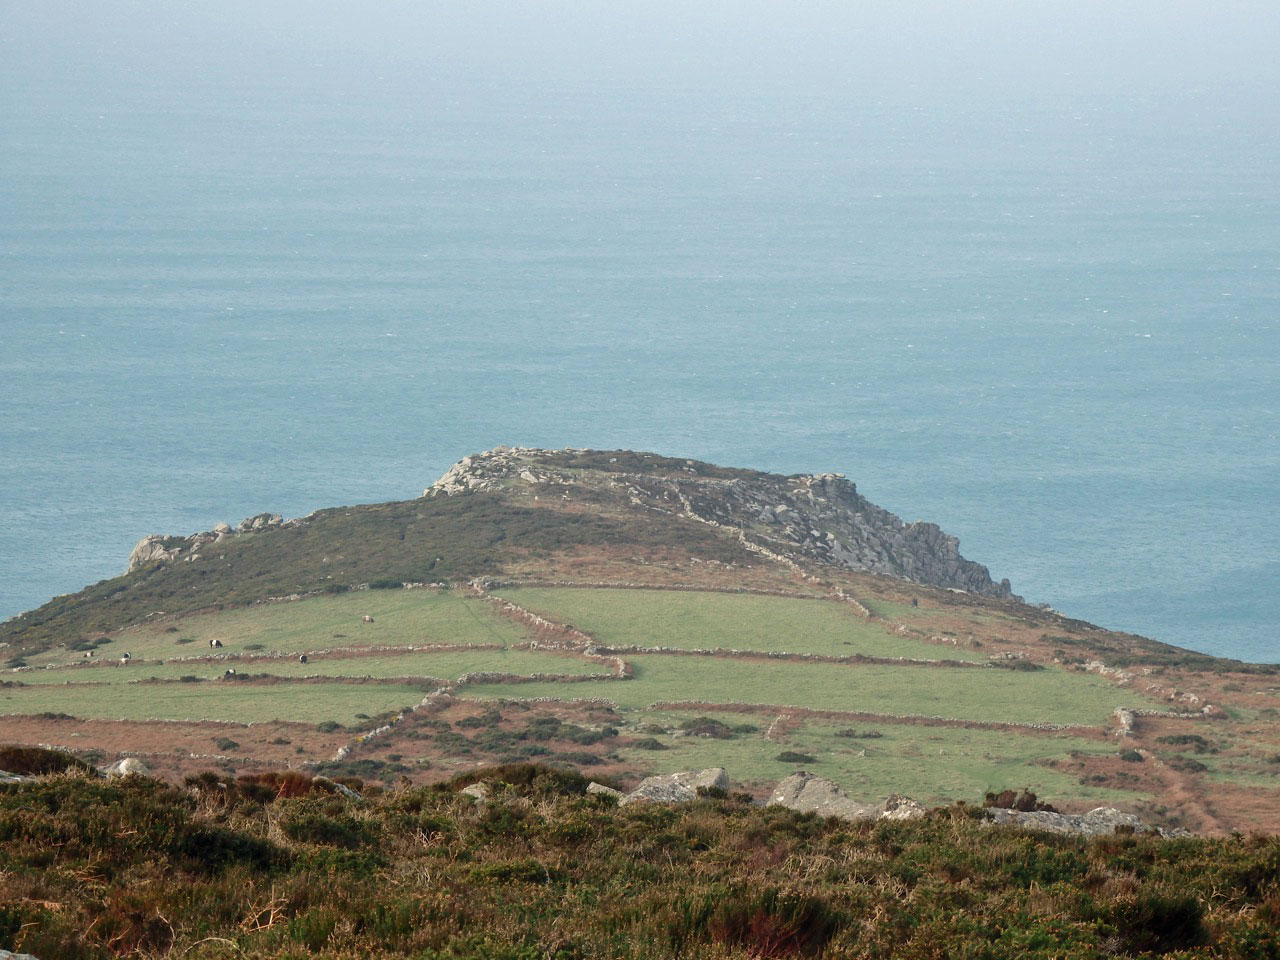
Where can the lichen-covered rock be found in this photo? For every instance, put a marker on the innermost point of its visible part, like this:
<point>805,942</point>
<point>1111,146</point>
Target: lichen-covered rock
<point>677,787</point>
<point>479,792</point>
<point>807,793</point>
<point>599,789</point>
<point>1101,821</point>
<point>128,767</point>
<point>6,777</point>
<point>6,955</point>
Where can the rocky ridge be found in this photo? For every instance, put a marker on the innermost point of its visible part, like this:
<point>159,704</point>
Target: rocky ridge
<point>157,548</point>
<point>817,518</point>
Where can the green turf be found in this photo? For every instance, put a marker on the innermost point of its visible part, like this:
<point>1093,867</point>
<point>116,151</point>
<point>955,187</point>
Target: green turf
<point>448,665</point>
<point>401,617</point>
<point>244,703</point>
<point>694,620</point>
<point>930,764</point>
<point>1044,696</point>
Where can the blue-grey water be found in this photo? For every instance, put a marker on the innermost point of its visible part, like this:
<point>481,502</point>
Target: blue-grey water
<point>1051,326</point>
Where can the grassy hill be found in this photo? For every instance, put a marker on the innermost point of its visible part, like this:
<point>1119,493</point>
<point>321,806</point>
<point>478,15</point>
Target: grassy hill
<point>628,613</point>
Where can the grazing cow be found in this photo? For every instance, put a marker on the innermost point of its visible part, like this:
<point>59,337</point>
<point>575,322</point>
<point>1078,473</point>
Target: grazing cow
<point>214,643</point>
<point>302,658</point>
<point>367,619</point>
<point>124,657</point>
<point>229,673</point>
<point>88,654</point>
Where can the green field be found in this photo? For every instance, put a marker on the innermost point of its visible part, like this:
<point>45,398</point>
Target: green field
<point>241,703</point>
<point>401,617</point>
<point>930,764</point>
<point>706,621</point>
<point>1043,696</point>
<point>446,665</point>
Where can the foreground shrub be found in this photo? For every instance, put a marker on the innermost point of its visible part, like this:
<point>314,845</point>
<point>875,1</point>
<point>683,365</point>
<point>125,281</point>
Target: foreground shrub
<point>39,761</point>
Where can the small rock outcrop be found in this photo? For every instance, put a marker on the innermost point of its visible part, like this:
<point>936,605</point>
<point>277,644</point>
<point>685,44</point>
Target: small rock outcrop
<point>6,955</point>
<point>128,767</point>
<point>479,792</point>
<point>677,787</point>
<point>807,793</point>
<point>6,777</point>
<point>156,548</point>
<point>818,518</point>
<point>1101,821</point>
<point>599,789</point>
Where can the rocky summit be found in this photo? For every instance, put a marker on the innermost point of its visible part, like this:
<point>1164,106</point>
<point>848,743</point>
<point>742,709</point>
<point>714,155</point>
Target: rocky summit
<point>801,517</point>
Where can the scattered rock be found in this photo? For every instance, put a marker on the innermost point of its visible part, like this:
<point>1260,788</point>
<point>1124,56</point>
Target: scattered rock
<point>479,792</point>
<point>6,777</point>
<point>677,787</point>
<point>128,767</point>
<point>1098,822</point>
<point>601,790</point>
<point>6,955</point>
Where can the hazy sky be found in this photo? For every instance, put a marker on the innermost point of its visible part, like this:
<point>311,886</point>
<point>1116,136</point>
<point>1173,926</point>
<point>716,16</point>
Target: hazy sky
<point>1041,48</point>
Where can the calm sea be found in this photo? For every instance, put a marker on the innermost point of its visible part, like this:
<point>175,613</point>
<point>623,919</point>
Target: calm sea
<point>1054,330</point>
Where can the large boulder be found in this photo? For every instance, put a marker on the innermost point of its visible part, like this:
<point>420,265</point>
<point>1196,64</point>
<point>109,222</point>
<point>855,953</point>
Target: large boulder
<point>149,550</point>
<point>599,789</point>
<point>128,767</point>
<point>677,787</point>
<point>807,793</point>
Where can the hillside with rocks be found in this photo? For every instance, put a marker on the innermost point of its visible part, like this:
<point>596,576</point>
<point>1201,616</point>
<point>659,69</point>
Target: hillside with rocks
<point>819,518</point>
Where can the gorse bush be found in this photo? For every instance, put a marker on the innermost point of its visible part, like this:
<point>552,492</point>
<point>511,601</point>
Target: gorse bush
<point>281,865</point>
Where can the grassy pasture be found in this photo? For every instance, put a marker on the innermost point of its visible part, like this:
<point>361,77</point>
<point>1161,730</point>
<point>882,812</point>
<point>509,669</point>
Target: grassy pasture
<point>690,620</point>
<point>400,617</point>
<point>1045,696</point>
<point>447,665</point>
<point>241,703</point>
<point>930,764</point>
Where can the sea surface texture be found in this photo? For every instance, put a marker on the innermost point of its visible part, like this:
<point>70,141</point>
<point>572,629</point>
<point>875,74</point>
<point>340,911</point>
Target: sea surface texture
<point>1053,327</point>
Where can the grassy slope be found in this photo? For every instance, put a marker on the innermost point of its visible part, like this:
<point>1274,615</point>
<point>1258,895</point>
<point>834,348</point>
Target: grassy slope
<point>430,539</point>
<point>235,703</point>
<point>731,621</point>
<point>447,665</point>
<point>401,617</point>
<point>1047,696</point>
<point>931,764</point>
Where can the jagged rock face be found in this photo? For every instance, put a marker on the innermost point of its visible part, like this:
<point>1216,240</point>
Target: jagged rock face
<point>817,518</point>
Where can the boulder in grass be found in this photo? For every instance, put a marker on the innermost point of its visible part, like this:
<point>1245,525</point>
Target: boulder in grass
<point>599,789</point>
<point>677,787</point>
<point>128,767</point>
